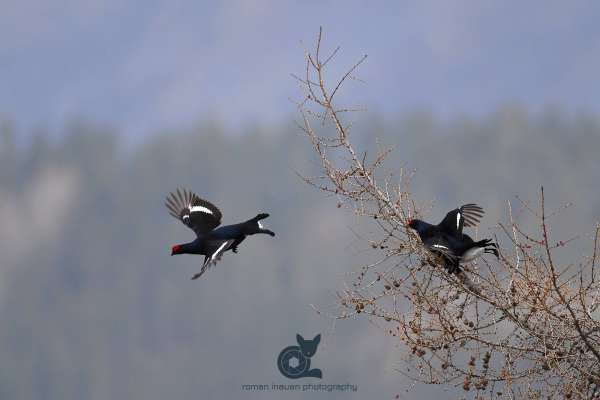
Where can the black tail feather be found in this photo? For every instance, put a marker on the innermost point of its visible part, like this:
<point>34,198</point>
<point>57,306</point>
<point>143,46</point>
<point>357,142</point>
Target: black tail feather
<point>490,247</point>
<point>492,250</point>
<point>258,227</point>
<point>261,216</point>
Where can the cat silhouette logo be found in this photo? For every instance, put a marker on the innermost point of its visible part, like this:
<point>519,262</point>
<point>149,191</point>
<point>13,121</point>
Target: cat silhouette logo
<point>294,361</point>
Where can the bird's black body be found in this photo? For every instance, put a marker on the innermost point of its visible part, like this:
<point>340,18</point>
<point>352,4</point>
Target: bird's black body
<point>203,218</point>
<point>448,240</point>
<point>241,230</point>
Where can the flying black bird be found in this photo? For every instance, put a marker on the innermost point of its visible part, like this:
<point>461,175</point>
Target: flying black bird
<point>448,240</point>
<point>203,218</point>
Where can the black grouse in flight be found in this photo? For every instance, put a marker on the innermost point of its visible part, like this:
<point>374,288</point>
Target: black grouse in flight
<point>203,218</point>
<point>448,240</point>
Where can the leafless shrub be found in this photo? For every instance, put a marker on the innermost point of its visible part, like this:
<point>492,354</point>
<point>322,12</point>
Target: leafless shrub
<point>523,327</point>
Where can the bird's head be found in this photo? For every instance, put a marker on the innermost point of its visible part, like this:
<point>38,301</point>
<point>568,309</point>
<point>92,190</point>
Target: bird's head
<point>177,249</point>
<point>416,224</point>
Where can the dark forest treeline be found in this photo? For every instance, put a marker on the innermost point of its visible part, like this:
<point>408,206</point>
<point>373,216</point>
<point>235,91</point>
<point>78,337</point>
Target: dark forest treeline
<point>92,305</point>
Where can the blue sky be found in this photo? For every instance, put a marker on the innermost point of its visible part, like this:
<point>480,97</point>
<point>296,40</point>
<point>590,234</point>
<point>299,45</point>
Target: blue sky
<point>145,65</point>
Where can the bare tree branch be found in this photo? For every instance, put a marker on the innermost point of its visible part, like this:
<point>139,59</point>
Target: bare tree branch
<point>522,327</point>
